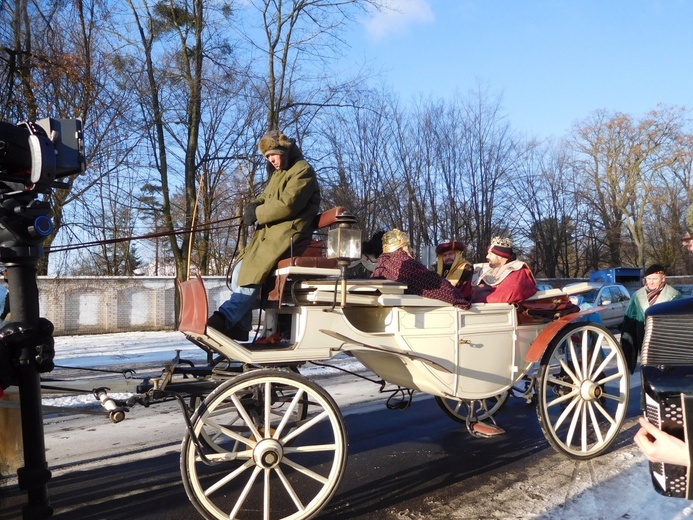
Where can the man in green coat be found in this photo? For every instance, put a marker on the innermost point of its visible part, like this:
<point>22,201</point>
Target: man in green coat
<point>655,290</point>
<point>285,210</point>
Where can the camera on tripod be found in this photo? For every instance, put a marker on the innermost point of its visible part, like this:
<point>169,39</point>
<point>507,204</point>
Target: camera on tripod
<point>35,156</point>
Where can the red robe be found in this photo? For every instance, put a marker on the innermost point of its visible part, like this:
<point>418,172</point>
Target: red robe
<point>517,286</point>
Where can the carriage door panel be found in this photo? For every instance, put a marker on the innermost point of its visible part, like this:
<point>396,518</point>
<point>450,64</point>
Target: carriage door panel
<point>486,363</point>
<point>431,332</point>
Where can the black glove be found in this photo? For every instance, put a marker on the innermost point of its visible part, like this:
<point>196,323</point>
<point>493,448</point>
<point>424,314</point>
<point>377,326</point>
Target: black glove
<point>249,217</point>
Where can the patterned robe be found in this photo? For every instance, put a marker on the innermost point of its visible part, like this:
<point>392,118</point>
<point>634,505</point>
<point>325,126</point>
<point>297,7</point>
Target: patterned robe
<point>400,267</point>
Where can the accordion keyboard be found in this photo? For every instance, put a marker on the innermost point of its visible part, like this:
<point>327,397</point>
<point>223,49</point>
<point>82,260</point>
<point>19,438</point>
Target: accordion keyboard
<point>667,414</point>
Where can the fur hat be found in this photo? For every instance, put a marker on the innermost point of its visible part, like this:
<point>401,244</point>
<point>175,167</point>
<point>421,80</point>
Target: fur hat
<point>654,269</point>
<point>394,240</point>
<point>502,247</point>
<point>450,246</point>
<point>374,245</point>
<point>275,142</point>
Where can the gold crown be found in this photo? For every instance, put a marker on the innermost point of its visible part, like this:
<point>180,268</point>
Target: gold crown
<point>502,242</point>
<point>394,240</point>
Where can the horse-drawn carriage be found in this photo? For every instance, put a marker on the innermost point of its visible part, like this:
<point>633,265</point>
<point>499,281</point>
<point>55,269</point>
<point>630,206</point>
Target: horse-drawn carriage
<point>264,441</point>
<point>269,443</point>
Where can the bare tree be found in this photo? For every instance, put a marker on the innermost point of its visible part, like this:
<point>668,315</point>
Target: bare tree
<point>165,65</point>
<point>352,172</point>
<point>111,215</point>
<point>55,67</point>
<point>301,38</point>
<point>489,158</point>
<point>546,209</point>
<point>623,160</point>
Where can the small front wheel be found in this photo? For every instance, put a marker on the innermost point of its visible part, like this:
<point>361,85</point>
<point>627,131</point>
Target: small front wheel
<point>267,444</point>
<point>582,390</point>
<point>476,410</point>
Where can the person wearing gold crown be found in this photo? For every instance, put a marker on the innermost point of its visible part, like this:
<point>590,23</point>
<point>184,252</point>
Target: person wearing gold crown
<point>397,263</point>
<point>504,279</point>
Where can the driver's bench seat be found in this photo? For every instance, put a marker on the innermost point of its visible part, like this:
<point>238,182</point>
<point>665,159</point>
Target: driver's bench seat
<point>305,258</point>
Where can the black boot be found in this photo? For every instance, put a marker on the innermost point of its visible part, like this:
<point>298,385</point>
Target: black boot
<point>218,322</point>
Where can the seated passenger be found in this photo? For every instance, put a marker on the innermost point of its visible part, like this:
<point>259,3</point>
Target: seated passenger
<point>371,249</point>
<point>397,264</point>
<point>454,267</point>
<point>504,279</point>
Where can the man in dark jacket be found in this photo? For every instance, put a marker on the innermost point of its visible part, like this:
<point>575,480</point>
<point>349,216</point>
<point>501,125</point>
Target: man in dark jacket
<point>655,290</point>
<point>284,211</point>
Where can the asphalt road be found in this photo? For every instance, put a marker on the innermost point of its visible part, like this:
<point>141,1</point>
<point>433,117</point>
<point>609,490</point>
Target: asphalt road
<point>402,464</point>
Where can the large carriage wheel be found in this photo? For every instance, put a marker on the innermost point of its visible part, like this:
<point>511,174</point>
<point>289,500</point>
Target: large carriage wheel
<point>282,395</point>
<point>458,409</point>
<point>582,390</point>
<point>264,456</point>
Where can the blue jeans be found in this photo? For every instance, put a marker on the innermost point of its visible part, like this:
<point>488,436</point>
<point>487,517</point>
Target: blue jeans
<point>239,308</point>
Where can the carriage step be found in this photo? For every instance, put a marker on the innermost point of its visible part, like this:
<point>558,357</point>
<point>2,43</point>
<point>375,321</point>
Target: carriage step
<point>480,429</point>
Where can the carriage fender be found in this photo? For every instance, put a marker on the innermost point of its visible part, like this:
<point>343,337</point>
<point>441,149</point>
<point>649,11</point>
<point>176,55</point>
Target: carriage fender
<point>540,344</point>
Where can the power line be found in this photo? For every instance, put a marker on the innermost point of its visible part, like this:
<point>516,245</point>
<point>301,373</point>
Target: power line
<point>202,227</point>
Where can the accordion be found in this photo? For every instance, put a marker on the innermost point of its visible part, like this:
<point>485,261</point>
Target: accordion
<point>667,384</point>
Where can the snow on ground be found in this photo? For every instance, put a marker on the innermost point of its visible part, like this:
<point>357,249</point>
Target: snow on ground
<point>125,347</point>
<point>142,349</point>
<point>613,486</point>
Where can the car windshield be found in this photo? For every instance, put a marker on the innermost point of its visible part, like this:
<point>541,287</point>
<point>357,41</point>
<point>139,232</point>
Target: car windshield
<point>589,297</point>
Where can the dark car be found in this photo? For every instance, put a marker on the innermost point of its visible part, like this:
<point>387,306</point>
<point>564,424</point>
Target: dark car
<point>613,297</point>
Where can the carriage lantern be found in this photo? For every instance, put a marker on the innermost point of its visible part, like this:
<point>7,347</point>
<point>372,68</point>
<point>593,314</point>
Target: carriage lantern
<point>344,244</point>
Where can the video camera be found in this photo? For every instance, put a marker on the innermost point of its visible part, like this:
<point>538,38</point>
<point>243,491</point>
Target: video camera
<point>34,156</point>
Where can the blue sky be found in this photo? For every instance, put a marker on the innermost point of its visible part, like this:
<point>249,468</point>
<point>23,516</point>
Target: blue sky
<point>553,62</point>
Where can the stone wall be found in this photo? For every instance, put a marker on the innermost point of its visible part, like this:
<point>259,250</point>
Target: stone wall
<point>99,305</point>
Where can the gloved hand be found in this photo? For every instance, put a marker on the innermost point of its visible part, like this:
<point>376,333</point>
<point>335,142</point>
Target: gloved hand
<point>249,217</point>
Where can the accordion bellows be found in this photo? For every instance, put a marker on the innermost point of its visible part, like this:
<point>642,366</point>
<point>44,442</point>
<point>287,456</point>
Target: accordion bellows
<point>667,381</point>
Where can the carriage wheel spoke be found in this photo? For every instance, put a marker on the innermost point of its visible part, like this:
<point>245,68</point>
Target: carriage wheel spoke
<point>289,412</point>
<point>593,421</point>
